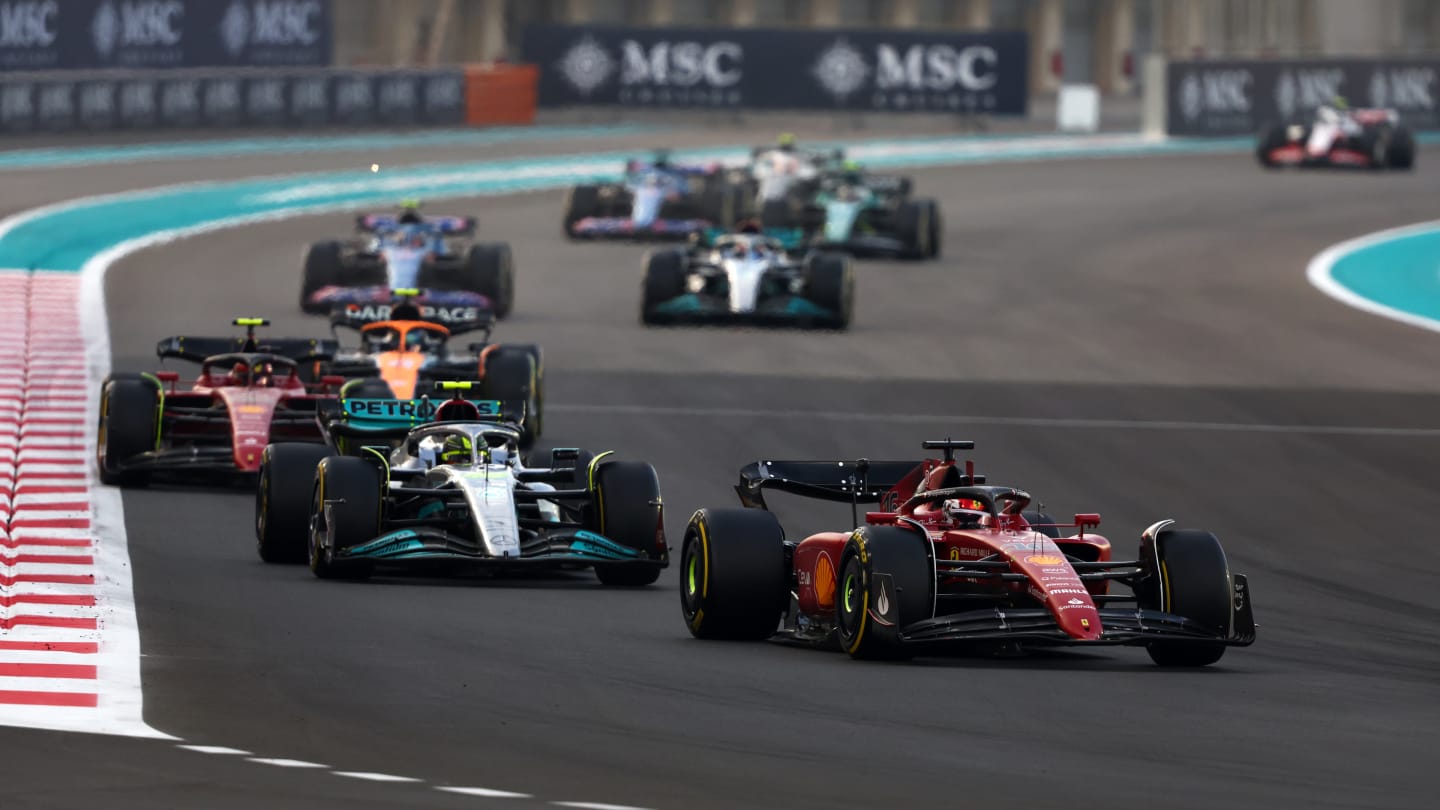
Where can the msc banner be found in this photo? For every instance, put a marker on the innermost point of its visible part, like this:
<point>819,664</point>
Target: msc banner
<point>100,34</point>
<point>60,102</point>
<point>781,69</point>
<point>1240,97</point>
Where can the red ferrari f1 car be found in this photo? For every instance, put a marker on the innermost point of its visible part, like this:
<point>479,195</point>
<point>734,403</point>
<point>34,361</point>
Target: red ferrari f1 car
<point>950,561</point>
<point>249,393</point>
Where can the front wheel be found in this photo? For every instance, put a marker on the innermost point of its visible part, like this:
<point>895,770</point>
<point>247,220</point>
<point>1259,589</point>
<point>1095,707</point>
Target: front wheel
<point>831,286</point>
<point>1189,577</point>
<point>345,512</point>
<point>887,582</point>
<point>665,274</point>
<point>629,512</point>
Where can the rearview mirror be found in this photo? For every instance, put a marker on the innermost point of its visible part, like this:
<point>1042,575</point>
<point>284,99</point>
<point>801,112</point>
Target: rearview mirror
<point>1087,520</point>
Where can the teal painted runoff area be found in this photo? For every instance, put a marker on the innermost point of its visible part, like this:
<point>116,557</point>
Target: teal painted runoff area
<point>1401,273</point>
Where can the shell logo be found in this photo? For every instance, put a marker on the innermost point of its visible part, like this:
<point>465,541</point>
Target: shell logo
<point>824,581</point>
<point>1044,559</point>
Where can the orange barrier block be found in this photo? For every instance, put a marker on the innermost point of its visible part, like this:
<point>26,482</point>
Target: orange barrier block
<point>500,94</point>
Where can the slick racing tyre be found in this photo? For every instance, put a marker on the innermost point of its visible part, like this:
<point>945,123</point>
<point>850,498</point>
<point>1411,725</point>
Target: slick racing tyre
<point>580,203</point>
<point>916,221</point>
<point>628,511</point>
<point>733,579</point>
<point>887,581</point>
<point>323,268</point>
<point>665,276</point>
<point>129,410</point>
<point>352,489</point>
<point>831,286</point>
<point>1041,522</point>
<point>282,500</point>
<point>1189,576</point>
<point>368,388</point>
<point>537,357</point>
<point>510,376</point>
<point>489,269</point>
<point>1402,148</point>
<point>1271,138</point>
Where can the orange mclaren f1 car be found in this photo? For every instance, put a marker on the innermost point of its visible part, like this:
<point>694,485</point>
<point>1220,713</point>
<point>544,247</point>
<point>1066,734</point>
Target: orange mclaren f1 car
<point>406,348</point>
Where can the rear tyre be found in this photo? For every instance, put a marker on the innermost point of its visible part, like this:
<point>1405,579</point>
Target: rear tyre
<point>510,378</point>
<point>580,203</point>
<point>1191,579</point>
<point>1271,138</point>
<point>887,582</point>
<point>775,214</point>
<point>665,275</point>
<point>323,268</point>
<point>129,414</point>
<point>282,501</point>
<point>537,358</point>
<point>352,487</point>
<point>733,581</point>
<point>489,270</point>
<point>831,286</point>
<point>368,388</point>
<point>628,511</point>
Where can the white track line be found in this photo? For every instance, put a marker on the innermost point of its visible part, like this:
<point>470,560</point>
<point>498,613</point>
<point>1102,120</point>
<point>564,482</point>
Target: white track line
<point>215,749</point>
<point>1320,274</point>
<point>1009,421</point>
<point>597,806</point>
<point>486,793</point>
<point>370,776</point>
<point>286,763</point>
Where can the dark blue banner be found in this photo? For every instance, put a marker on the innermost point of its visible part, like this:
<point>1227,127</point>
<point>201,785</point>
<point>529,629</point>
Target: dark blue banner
<point>42,35</point>
<point>892,70</point>
<point>176,99</point>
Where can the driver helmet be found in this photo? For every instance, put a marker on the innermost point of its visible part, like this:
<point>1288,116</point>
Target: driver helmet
<point>456,450</point>
<point>965,510</point>
<point>662,159</point>
<point>786,142</point>
<point>750,226</point>
<point>264,374</point>
<point>417,339</point>
<point>410,212</point>
<point>239,373</point>
<point>405,311</point>
<point>1339,103</point>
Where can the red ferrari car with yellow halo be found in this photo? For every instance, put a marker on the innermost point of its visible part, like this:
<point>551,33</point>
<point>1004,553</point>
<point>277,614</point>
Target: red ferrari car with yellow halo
<point>948,561</point>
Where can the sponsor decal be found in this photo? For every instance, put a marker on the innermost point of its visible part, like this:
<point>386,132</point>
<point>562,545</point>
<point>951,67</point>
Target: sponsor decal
<point>408,409</point>
<point>824,581</point>
<point>1044,559</point>
<point>1074,601</point>
<point>882,602</point>
<point>439,314</point>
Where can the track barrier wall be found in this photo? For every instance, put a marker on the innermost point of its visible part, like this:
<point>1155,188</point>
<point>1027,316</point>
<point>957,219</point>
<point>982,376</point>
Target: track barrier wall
<point>80,101</point>
<point>1239,97</point>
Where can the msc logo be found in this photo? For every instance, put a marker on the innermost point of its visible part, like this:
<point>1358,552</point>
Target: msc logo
<point>28,24</point>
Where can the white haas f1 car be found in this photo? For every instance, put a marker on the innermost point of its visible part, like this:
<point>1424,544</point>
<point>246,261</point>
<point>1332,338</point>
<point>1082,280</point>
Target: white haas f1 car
<point>1367,138</point>
<point>433,253</point>
<point>748,277</point>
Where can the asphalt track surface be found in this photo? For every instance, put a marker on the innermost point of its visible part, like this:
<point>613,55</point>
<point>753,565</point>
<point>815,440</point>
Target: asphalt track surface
<point>1133,337</point>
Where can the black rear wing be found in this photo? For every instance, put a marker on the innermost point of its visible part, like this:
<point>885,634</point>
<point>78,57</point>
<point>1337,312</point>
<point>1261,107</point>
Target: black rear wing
<point>196,349</point>
<point>841,481</point>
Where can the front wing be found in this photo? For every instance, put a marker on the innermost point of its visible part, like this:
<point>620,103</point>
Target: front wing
<point>626,228</point>
<point>1296,155</point>
<point>424,545</point>
<point>788,310</point>
<point>339,296</point>
<point>1121,626</point>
